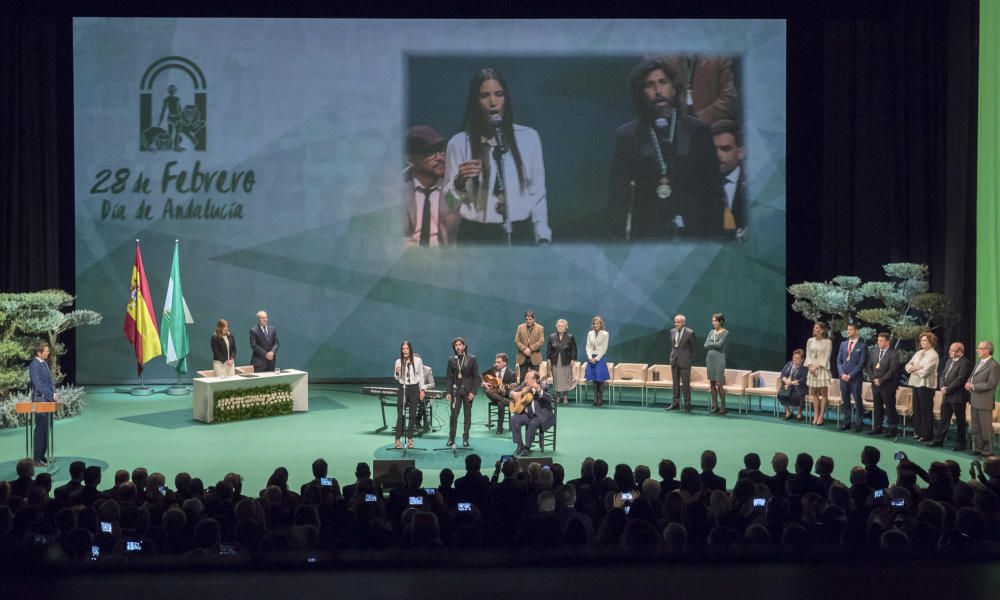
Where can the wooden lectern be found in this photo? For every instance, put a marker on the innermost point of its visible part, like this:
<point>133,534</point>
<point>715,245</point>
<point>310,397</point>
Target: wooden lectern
<point>30,409</point>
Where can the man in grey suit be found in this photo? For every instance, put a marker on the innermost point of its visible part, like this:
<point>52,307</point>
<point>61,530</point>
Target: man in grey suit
<point>425,196</point>
<point>983,386</point>
<point>264,344</point>
<point>681,356</point>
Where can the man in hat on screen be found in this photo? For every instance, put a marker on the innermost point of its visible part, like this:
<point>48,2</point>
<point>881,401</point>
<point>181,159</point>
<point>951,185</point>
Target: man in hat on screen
<point>429,221</point>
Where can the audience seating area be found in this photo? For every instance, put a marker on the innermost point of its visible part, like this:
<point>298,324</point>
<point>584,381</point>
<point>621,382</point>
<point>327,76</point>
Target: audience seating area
<point>791,506</point>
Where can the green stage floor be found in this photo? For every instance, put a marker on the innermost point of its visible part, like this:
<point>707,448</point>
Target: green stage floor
<point>118,431</point>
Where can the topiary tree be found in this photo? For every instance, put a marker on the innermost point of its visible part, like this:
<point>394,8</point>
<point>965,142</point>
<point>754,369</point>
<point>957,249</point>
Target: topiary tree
<point>903,306</point>
<point>24,319</point>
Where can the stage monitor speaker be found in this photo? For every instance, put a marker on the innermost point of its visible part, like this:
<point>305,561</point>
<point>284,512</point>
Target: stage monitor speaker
<point>389,473</point>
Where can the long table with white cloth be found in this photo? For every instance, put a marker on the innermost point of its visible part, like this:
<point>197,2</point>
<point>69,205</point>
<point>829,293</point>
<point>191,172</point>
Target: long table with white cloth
<point>205,389</point>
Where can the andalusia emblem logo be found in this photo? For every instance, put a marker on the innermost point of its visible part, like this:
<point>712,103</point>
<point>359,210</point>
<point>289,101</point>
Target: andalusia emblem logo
<point>172,106</point>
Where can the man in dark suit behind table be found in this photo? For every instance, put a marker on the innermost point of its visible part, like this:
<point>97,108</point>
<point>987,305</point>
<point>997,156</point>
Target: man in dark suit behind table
<point>42,390</point>
<point>954,396</point>
<point>983,386</point>
<point>883,369</point>
<point>681,356</point>
<point>264,344</point>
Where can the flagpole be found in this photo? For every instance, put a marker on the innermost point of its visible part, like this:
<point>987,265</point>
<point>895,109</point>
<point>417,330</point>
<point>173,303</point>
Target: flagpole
<point>142,389</point>
<point>178,313</point>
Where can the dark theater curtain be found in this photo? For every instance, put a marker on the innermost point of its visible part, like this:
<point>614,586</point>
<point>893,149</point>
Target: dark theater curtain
<point>36,153</point>
<point>882,130</point>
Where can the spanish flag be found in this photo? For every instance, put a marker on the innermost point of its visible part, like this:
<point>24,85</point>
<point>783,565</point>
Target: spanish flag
<point>140,325</point>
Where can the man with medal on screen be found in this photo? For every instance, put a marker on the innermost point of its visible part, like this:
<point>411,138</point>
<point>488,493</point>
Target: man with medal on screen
<point>664,174</point>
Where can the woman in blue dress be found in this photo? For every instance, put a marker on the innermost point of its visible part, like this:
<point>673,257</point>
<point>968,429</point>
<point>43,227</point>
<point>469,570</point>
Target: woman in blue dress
<point>597,365</point>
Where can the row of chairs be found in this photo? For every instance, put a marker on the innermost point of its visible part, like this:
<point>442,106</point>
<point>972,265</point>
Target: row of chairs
<point>742,385</point>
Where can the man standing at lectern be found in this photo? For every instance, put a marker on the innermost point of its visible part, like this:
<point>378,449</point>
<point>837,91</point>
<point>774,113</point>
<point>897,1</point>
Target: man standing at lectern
<point>42,390</point>
<point>264,344</point>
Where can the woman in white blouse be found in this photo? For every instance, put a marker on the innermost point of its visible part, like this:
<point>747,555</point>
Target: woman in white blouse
<point>818,349</point>
<point>597,364</point>
<point>409,372</point>
<point>923,369</point>
<point>495,209</point>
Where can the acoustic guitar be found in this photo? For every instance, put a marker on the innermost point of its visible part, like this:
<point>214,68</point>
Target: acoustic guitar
<point>495,382</point>
<point>519,401</point>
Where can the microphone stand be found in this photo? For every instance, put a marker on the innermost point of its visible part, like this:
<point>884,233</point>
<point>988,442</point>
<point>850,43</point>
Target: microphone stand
<point>631,207</point>
<point>498,153</point>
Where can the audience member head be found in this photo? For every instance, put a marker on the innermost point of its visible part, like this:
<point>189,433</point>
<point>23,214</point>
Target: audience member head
<point>362,470</point>
<point>870,456</point>
<point>25,468</point>
<point>447,478</point>
<point>642,473</point>
<point>206,534</point>
<point>640,536</point>
<point>473,463</point>
<point>566,496</point>
<point>690,480</point>
<point>76,469</point>
<point>674,538</point>
<point>708,461</point>
<point>623,477</point>
<point>803,463</point>
<point>667,469</point>
<point>858,476</point>
<point>182,482</point>
<point>600,469</point>
<point>751,461</point>
<point>780,462</point>
<point>546,502</point>
<point>319,468</point>
<point>587,468</point>
<point>139,475</point>
<point>545,480</point>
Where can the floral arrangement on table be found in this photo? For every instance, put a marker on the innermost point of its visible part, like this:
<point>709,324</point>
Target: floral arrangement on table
<point>251,403</point>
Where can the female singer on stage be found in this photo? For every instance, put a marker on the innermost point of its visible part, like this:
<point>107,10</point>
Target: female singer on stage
<point>409,373</point>
<point>223,350</point>
<point>716,361</point>
<point>923,379</point>
<point>489,191</point>
<point>561,352</point>
<point>818,350</point>
<point>793,385</point>
<point>597,365</point>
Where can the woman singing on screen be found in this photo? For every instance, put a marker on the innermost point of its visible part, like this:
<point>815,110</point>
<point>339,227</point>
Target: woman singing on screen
<point>223,350</point>
<point>409,372</point>
<point>495,170</point>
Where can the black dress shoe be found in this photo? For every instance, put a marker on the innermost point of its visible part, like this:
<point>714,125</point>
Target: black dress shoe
<point>844,426</point>
<point>892,433</point>
<point>687,408</point>
<point>465,443</point>
<point>41,462</point>
<point>713,410</point>
<point>673,406</point>
<point>876,431</point>
<point>451,443</point>
<point>499,430</point>
<point>959,448</point>
<point>935,444</point>
<point>526,452</point>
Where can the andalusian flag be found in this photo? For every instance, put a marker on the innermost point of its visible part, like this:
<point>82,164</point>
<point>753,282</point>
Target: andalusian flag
<point>176,315</point>
<point>140,326</point>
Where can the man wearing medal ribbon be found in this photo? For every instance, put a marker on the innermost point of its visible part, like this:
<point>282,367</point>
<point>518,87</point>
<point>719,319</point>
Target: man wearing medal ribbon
<point>664,174</point>
<point>463,383</point>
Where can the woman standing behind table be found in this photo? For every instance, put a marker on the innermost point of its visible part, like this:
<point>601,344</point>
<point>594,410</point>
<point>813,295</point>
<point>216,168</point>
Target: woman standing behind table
<point>561,352</point>
<point>223,350</point>
<point>597,365</point>
<point>923,379</point>
<point>792,385</point>
<point>409,372</point>
<point>716,362</point>
<point>818,350</point>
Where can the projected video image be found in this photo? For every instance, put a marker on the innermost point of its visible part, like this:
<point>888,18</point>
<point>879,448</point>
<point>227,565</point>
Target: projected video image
<point>602,148</point>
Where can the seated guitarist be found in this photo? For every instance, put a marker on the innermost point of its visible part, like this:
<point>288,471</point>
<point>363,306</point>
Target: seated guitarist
<point>530,407</point>
<point>497,381</point>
